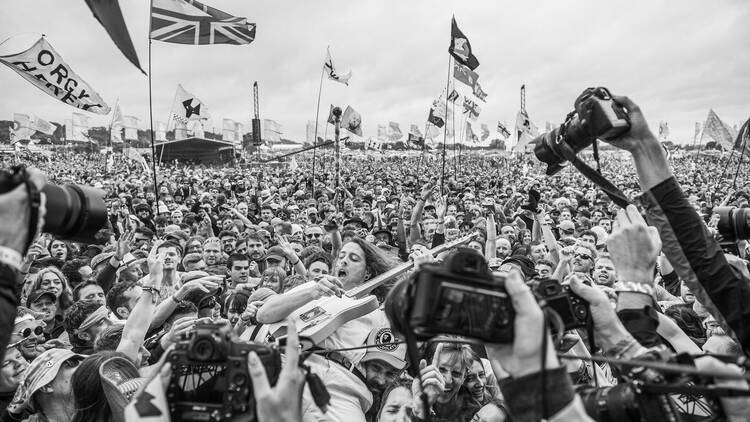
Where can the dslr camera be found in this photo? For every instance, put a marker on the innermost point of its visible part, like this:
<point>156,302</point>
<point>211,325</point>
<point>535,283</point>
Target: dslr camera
<point>596,116</point>
<point>210,380</point>
<point>459,297</point>
<point>572,309</point>
<point>734,223</point>
<point>74,212</point>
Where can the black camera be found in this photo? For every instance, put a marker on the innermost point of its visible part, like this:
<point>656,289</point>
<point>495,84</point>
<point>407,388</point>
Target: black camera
<point>572,309</point>
<point>734,223</point>
<point>596,116</point>
<point>74,212</point>
<point>210,380</point>
<point>459,297</point>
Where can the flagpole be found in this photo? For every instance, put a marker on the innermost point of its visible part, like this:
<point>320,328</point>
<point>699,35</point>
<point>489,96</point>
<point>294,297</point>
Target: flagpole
<point>455,162</point>
<point>445,131</point>
<point>315,139</point>
<point>742,156</point>
<point>151,107</point>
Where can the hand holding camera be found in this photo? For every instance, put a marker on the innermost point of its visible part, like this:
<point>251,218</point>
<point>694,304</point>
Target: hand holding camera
<point>634,246</point>
<point>16,208</point>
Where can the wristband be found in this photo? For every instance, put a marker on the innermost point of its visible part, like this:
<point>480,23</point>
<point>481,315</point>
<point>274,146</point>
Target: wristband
<point>634,287</point>
<point>153,291</point>
<point>10,257</point>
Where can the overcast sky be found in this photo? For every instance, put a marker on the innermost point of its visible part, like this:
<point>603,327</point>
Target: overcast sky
<point>676,59</point>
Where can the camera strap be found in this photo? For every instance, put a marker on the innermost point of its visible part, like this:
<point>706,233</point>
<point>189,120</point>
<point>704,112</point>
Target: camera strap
<point>611,190</point>
<point>35,201</point>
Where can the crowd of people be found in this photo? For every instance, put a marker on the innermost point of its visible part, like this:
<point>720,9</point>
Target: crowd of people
<point>87,327</point>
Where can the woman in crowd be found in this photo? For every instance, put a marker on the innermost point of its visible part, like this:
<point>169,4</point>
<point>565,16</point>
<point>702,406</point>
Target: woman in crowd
<point>52,279</point>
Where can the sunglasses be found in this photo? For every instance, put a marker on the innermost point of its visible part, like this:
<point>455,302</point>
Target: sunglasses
<point>313,235</point>
<point>38,330</point>
<point>582,256</point>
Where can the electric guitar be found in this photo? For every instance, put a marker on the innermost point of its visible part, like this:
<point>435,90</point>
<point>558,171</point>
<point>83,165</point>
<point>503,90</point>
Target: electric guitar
<point>319,319</point>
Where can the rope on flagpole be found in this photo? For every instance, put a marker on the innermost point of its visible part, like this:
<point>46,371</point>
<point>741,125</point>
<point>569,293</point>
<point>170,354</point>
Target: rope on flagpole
<point>445,130</point>
<point>151,111</point>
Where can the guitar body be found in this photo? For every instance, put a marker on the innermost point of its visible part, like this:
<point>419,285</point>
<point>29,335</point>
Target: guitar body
<point>318,320</point>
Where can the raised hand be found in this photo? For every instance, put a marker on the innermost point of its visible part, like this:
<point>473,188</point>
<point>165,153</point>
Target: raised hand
<point>634,246</point>
<point>123,245</point>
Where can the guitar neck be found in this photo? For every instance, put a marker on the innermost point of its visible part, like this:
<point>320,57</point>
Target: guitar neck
<point>365,289</point>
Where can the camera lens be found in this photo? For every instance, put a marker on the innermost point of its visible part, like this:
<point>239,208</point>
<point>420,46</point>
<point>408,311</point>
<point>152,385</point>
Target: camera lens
<point>734,223</point>
<point>74,212</point>
<point>203,349</point>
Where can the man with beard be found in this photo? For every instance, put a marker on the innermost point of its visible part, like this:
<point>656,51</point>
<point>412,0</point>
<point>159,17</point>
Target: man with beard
<point>83,322</point>
<point>143,212</point>
<point>257,253</point>
<point>383,363</point>
<point>27,333</point>
<point>228,241</point>
<point>604,271</point>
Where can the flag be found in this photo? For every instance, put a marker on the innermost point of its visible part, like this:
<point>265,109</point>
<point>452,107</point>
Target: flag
<point>697,132</point>
<point>471,109</point>
<point>479,93</point>
<point>525,131</point>
<point>160,134</point>
<point>715,130</point>
<point>332,73</point>
<point>742,143</point>
<point>394,132</point>
<point>118,123</point>
<point>453,96</point>
<point>464,74</point>
<point>229,130</point>
<point>382,133</point>
<point>81,124</point>
<point>485,132</point>
<point>134,155</point>
<point>44,68</point>
<point>109,15</point>
<point>432,132</point>
<point>131,127</point>
<point>503,130</point>
<point>460,47</point>
<point>470,135</point>
<point>352,121</point>
<point>37,123</point>
<point>417,142</point>
<point>187,106</point>
<point>271,131</point>
<point>190,22</point>
<point>663,130</point>
<point>414,129</point>
<point>310,132</point>
<point>435,119</point>
<point>21,128</point>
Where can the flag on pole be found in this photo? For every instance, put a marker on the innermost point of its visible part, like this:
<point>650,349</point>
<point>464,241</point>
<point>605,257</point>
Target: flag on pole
<point>460,47</point>
<point>714,130</point>
<point>37,123</point>
<point>118,123</point>
<point>432,133</point>
<point>109,15</point>
<point>229,130</point>
<point>187,106</point>
<point>485,132</point>
<point>81,126</point>
<point>21,128</point>
<point>44,68</point>
<point>272,131</point>
<point>190,22</point>
<point>464,74</point>
<point>471,109</point>
<point>435,119</point>
<point>525,131</point>
<point>331,70</point>
<point>503,130</point>
<point>133,154</point>
<point>414,129</point>
<point>394,132</point>
<point>470,135</point>
<point>352,121</point>
<point>479,93</point>
<point>453,96</point>
<point>742,143</point>
<point>130,123</point>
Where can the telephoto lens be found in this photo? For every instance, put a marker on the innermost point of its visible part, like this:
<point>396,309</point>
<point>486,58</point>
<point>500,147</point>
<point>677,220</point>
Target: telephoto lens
<point>734,223</point>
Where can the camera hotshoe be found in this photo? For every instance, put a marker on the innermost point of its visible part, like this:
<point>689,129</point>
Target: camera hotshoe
<point>74,212</point>
<point>210,380</point>
<point>596,116</point>
<point>734,223</point>
<point>573,310</point>
<point>459,297</point>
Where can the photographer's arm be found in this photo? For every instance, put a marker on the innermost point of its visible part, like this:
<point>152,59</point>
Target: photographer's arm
<point>137,324</point>
<point>547,237</point>
<point>490,248</point>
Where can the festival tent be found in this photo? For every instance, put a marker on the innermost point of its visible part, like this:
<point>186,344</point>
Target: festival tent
<point>196,149</point>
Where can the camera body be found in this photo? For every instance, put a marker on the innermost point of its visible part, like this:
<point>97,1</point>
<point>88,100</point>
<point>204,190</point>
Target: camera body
<point>210,379</point>
<point>459,297</point>
<point>572,309</point>
<point>74,212</point>
<point>596,116</point>
<point>734,223</point>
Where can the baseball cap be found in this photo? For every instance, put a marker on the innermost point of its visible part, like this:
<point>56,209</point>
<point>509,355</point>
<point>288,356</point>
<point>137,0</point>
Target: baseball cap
<point>37,294</point>
<point>120,381</point>
<point>275,252</point>
<point>41,372</point>
<point>392,354</point>
<point>566,225</point>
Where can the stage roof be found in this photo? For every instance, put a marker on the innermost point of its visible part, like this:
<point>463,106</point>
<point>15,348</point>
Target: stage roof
<point>196,149</point>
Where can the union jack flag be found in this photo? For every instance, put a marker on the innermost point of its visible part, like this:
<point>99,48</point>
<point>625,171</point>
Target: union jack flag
<point>190,22</point>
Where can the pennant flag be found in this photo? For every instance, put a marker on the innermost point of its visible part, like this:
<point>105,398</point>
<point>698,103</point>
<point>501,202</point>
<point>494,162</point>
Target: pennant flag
<point>453,96</point>
<point>394,132</point>
<point>525,131</point>
<point>503,130</point>
<point>470,135</point>
<point>460,47</point>
<point>118,123</point>
<point>464,74</point>
<point>131,127</point>
<point>471,108</point>
<point>187,106</point>
<point>485,132</point>
<point>382,133</point>
<point>663,130</point>
<point>742,143</point>
<point>352,121</point>
<point>310,132</point>
<point>44,68</point>
<point>160,134</point>
<point>109,15</point>
<point>190,22</point>
<point>479,93</point>
<point>714,130</point>
<point>331,71</point>
<point>435,119</point>
<point>331,118</point>
<point>271,131</point>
